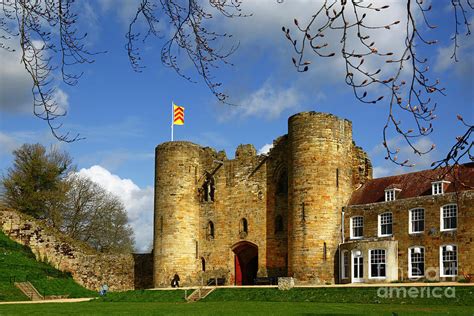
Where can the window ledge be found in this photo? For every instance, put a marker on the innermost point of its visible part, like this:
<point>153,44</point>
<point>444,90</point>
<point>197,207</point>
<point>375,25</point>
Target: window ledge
<point>378,278</point>
<point>416,233</point>
<point>389,235</point>
<point>448,230</point>
<point>355,238</point>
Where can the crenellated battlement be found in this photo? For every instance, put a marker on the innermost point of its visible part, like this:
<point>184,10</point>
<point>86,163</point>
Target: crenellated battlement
<point>256,215</point>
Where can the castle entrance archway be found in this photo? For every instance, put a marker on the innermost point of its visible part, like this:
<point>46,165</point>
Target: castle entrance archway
<point>245,262</point>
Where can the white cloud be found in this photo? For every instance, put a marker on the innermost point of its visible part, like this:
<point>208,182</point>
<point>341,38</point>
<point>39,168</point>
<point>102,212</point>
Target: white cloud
<point>465,65</point>
<point>265,149</point>
<point>62,100</point>
<point>262,42</point>
<point>137,201</point>
<point>124,9</point>
<point>267,102</point>
<point>15,84</point>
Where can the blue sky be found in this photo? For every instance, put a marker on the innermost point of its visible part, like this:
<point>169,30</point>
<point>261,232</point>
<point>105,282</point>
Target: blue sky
<point>123,114</point>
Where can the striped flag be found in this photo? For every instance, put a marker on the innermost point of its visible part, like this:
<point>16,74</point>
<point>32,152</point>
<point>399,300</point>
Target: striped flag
<point>178,115</point>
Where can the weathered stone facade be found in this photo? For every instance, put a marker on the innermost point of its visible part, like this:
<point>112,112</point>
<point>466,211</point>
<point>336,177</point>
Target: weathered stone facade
<point>87,267</point>
<point>253,216</point>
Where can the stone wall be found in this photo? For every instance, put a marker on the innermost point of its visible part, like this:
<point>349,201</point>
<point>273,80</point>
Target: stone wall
<point>432,237</point>
<point>314,165</point>
<point>88,268</point>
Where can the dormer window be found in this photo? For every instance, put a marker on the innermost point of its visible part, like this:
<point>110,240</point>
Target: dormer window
<point>391,194</point>
<point>437,187</point>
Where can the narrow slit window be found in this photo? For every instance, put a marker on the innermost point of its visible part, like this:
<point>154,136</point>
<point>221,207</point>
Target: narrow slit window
<point>210,230</point>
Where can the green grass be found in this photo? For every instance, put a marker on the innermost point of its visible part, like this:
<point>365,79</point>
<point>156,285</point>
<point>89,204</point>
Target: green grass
<point>170,296</point>
<point>18,264</point>
<point>229,308</point>
<point>464,296</point>
<point>256,301</point>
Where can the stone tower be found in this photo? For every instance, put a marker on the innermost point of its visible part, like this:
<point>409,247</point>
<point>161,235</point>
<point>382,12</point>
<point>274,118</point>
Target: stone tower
<point>266,215</point>
<point>176,212</point>
<point>320,183</point>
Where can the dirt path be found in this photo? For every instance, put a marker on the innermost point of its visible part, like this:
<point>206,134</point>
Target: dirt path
<point>63,300</point>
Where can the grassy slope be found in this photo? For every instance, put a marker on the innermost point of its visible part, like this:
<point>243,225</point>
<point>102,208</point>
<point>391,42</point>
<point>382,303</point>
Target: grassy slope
<point>17,263</point>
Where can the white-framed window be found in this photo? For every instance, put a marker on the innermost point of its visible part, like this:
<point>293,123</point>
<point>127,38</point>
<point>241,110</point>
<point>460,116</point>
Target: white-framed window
<point>377,267</point>
<point>391,194</point>
<point>385,224</point>
<point>437,187</point>
<point>417,220</point>
<point>357,227</point>
<point>448,257</point>
<point>416,262</point>
<point>345,264</point>
<point>449,217</point>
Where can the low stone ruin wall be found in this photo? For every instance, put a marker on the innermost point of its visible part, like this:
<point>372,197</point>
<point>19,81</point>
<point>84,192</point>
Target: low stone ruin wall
<point>88,267</point>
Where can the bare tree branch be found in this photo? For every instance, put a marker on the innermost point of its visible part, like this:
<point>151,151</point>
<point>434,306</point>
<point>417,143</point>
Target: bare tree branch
<point>408,87</point>
<point>49,42</point>
<point>189,35</point>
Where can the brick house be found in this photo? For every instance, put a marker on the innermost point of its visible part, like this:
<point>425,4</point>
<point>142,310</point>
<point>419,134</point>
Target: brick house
<point>410,227</point>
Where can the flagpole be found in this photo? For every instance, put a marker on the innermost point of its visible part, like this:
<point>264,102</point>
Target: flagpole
<point>172,120</point>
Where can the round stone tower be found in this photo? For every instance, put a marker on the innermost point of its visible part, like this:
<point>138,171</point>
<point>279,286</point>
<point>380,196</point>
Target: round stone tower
<point>320,173</point>
<point>176,213</point>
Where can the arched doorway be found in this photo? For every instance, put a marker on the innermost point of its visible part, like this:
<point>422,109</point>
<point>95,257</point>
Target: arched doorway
<point>245,262</point>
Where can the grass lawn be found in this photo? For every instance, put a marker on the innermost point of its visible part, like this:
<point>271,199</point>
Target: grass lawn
<point>454,296</point>
<point>230,308</point>
<point>18,264</point>
<point>257,301</point>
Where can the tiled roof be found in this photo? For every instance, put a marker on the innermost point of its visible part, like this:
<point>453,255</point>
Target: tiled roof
<point>414,184</point>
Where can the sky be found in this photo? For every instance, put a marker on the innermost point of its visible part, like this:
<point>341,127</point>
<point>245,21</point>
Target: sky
<point>123,115</point>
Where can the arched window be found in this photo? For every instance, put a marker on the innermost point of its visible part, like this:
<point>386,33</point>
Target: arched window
<point>345,264</point>
<point>244,226</point>
<point>278,223</point>
<point>282,185</point>
<point>210,230</point>
<point>203,264</point>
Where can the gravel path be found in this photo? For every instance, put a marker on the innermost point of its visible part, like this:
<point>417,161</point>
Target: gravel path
<point>62,300</point>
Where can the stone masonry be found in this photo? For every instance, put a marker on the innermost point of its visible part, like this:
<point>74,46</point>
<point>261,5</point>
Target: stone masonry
<point>87,267</point>
<point>272,215</point>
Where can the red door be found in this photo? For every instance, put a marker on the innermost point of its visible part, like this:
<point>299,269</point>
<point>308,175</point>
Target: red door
<point>238,271</point>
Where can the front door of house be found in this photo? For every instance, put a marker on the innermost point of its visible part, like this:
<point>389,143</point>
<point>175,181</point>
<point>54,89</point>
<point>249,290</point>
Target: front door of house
<point>357,266</point>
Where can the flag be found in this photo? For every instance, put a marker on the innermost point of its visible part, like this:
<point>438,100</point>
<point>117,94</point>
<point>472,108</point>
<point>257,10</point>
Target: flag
<point>178,115</point>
